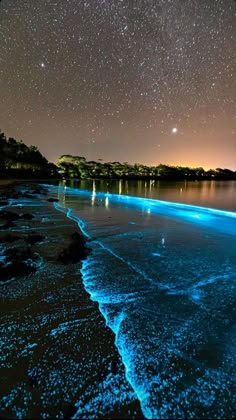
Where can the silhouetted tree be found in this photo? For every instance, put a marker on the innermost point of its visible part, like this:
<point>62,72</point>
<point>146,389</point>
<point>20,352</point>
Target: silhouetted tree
<point>18,159</point>
<point>78,167</point>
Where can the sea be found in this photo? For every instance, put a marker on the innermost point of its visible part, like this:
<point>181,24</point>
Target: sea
<point>162,269</point>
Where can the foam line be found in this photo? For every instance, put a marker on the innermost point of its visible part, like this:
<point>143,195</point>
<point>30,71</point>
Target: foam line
<point>114,324</point>
<point>82,226</point>
<point>68,213</point>
<point>127,354</point>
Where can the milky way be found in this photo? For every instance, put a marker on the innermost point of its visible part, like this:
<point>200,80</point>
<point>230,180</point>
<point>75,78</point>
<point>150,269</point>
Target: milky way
<point>150,81</point>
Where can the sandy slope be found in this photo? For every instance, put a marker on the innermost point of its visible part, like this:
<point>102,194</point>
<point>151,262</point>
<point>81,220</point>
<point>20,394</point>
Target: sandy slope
<point>58,357</point>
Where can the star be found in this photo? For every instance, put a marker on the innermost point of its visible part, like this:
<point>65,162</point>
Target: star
<point>166,68</point>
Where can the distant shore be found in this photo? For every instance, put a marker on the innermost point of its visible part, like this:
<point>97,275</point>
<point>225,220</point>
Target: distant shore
<point>59,358</point>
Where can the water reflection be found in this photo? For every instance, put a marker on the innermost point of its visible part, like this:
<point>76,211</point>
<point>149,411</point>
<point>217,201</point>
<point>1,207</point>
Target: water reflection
<point>214,194</point>
<point>93,194</point>
<point>106,202</point>
<point>120,187</point>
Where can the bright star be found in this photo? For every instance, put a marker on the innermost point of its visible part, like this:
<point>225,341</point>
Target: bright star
<point>42,65</point>
<point>174,130</point>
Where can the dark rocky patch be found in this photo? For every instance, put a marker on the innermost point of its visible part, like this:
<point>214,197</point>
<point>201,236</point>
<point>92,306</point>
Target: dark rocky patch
<point>51,200</point>
<point>76,250</point>
<point>12,193</point>
<point>9,216</point>
<point>33,239</point>
<point>4,203</point>
<point>18,262</point>
<point>27,216</point>
<point>8,225</point>
<point>76,236</point>
<point>10,238</point>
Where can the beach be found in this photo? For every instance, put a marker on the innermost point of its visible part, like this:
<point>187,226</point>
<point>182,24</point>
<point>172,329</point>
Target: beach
<point>59,359</point>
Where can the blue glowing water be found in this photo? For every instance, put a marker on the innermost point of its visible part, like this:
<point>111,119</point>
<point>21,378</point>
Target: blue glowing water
<point>164,277</point>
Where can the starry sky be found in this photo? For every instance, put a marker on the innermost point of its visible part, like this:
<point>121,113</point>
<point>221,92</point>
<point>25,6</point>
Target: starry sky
<point>147,81</point>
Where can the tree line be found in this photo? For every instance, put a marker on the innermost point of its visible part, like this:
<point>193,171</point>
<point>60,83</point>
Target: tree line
<point>78,167</point>
<point>17,160</point>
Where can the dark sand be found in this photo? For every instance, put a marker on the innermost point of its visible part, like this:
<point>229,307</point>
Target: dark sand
<point>58,358</point>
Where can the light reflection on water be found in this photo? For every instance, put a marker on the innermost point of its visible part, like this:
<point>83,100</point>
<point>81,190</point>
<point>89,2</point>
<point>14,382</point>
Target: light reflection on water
<point>214,194</point>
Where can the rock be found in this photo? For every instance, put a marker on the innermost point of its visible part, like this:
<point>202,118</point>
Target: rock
<point>18,262</point>
<point>27,216</point>
<point>15,254</point>
<point>10,238</point>
<point>51,200</point>
<point>33,239</point>
<point>76,250</point>
<point>76,236</point>
<point>10,216</point>
<point>4,203</point>
<point>8,225</point>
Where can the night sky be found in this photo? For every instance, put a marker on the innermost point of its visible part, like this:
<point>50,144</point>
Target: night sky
<point>148,81</point>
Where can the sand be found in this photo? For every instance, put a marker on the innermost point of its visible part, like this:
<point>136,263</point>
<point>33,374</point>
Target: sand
<point>58,356</point>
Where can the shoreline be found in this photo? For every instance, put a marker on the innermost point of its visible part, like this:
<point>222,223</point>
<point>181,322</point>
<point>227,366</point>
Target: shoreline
<point>59,357</point>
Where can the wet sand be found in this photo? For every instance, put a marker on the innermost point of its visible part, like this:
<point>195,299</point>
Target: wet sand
<point>58,357</point>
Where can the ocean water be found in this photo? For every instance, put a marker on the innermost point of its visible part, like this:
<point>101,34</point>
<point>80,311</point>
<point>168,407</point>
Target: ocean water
<point>163,274</point>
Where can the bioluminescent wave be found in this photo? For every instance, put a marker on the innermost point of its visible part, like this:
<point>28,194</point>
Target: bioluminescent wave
<point>164,277</point>
<point>215,218</point>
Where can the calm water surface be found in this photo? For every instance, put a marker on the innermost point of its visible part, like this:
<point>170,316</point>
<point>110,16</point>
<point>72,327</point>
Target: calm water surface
<point>164,276</point>
<point>215,194</point>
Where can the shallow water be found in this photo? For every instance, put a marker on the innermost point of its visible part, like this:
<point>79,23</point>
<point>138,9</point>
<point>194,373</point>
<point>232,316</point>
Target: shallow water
<point>164,275</point>
<point>213,194</point>
<point>55,349</point>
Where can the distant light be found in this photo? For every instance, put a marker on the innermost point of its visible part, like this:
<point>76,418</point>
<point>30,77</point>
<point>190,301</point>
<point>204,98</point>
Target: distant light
<point>42,65</point>
<point>174,130</point>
